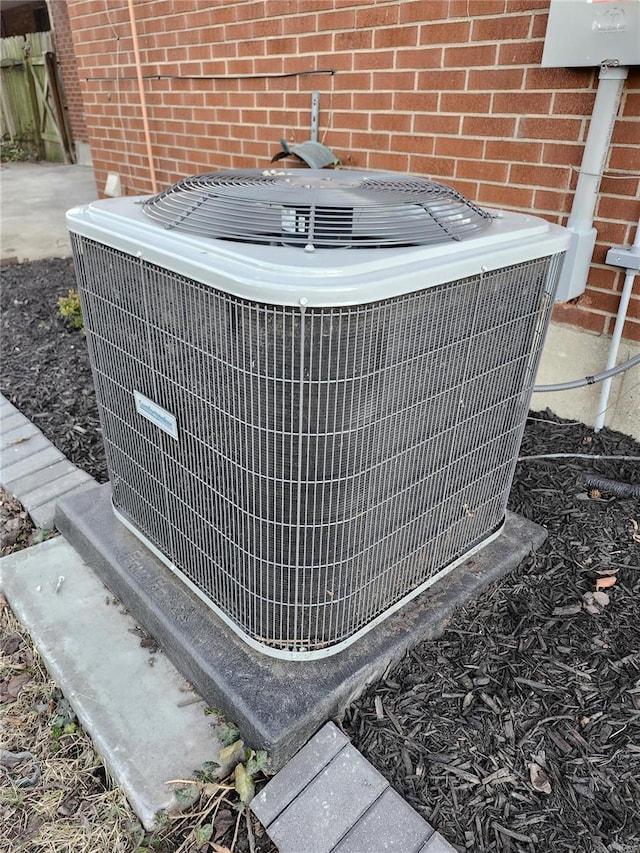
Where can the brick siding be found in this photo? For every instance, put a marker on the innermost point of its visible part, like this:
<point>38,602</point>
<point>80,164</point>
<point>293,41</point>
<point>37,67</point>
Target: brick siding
<point>68,69</point>
<point>450,89</point>
<point>20,20</point>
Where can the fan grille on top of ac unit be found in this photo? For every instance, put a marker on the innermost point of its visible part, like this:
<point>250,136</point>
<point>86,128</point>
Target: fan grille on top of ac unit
<point>311,206</point>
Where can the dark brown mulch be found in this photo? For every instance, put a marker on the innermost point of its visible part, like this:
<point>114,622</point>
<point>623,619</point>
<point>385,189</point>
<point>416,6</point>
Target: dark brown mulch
<point>518,730</point>
<point>526,688</point>
<point>44,370</point>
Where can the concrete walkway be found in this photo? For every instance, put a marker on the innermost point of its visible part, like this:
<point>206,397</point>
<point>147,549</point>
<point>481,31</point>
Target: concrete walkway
<point>34,198</point>
<point>145,721</point>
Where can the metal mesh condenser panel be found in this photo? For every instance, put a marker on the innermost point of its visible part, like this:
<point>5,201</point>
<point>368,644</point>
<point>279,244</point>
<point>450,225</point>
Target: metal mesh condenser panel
<point>306,470</point>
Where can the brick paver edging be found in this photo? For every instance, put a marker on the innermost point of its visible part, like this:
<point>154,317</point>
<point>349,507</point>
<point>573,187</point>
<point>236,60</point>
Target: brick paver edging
<point>330,799</point>
<point>32,469</point>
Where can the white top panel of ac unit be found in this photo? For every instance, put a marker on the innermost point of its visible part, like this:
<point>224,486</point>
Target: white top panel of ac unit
<point>327,277</point>
<point>582,33</point>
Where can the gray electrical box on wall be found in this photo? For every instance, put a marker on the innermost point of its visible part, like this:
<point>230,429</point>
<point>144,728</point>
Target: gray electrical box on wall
<point>592,32</point>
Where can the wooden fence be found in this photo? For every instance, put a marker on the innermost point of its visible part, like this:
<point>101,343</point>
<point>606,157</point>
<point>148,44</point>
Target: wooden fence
<point>32,105</point>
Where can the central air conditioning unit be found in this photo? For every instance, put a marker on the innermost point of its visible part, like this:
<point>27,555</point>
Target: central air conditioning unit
<point>312,385</point>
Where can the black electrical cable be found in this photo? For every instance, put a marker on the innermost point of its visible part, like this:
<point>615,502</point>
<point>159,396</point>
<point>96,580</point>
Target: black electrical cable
<point>312,73</point>
<point>614,487</point>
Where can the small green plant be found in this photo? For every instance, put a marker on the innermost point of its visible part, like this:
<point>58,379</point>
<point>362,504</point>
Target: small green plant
<point>206,803</point>
<point>63,722</point>
<point>12,152</point>
<point>69,308</point>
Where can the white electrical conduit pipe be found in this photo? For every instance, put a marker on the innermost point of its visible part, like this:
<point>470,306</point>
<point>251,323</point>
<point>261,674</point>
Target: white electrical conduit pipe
<point>575,268</point>
<point>143,100</point>
<point>617,335</point>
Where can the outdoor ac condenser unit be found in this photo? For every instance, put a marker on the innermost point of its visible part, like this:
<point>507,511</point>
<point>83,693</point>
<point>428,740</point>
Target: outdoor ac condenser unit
<point>312,385</point>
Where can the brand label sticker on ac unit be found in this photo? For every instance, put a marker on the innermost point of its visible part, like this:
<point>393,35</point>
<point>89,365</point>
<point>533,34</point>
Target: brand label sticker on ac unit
<point>163,419</point>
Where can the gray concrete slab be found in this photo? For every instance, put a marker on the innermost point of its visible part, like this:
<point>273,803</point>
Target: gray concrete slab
<point>278,705</point>
<point>132,703</point>
<point>34,200</point>
<point>572,353</point>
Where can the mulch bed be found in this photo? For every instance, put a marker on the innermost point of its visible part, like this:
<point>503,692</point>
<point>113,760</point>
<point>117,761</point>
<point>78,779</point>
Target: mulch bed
<point>519,729</point>
<point>44,370</point>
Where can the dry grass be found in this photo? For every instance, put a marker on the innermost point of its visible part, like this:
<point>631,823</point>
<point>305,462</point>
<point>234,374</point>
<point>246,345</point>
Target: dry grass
<point>59,798</point>
<point>73,806</point>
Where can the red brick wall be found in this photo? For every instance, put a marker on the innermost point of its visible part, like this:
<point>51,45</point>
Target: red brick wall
<point>20,20</point>
<point>450,89</point>
<point>68,68</point>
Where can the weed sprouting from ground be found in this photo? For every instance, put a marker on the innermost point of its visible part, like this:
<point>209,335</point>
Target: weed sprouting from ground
<point>70,309</point>
<point>11,151</point>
